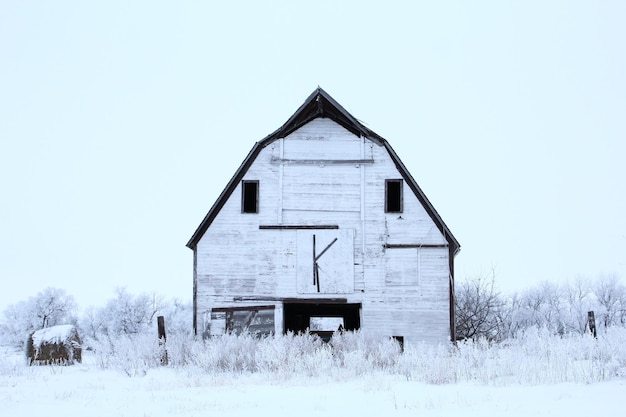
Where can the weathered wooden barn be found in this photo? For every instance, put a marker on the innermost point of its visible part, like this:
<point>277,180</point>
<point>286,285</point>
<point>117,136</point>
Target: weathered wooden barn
<point>323,226</point>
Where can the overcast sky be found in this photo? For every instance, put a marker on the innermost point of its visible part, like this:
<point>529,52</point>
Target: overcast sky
<point>121,123</point>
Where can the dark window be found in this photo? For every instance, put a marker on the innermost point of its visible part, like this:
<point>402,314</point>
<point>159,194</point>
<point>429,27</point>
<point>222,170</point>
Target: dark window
<point>400,341</point>
<point>393,196</point>
<point>250,197</point>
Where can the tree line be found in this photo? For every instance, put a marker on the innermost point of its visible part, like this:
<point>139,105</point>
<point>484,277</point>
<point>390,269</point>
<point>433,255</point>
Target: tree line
<point>124,313</point>
<point>483,312</point>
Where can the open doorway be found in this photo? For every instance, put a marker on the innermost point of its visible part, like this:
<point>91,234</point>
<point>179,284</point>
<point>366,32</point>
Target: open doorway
<point>321,318</point>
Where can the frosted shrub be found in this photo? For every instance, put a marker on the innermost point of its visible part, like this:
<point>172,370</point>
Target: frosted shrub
<point>536,356</point>
<point>290,354</point>
<point>429,364</point>
<point>282,354</point>
<point>229,353</point>
<point>361,352</point>
<point>131,354</point>
<point>12,362</point>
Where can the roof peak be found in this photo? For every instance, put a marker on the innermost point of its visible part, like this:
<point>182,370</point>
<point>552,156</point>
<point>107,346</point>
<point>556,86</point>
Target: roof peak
<point>321,104</point>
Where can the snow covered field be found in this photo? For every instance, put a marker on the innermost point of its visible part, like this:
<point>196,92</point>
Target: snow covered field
<point>536,375</point>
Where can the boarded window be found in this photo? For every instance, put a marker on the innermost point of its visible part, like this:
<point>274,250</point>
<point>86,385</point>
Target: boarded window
<point>325,261</point>
<point>249,196</point>
<point>402,266</point>
<point>393,196</point>
<point>255,320</point>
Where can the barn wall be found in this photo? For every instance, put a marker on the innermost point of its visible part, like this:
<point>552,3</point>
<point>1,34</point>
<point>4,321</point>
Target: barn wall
<point>323,175</point>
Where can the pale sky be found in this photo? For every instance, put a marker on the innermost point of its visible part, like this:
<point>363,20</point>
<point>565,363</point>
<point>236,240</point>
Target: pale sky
<point>121,123</point>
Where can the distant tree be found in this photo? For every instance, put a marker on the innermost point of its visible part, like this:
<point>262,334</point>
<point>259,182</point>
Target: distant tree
<point>611,299</point>
<point>53,306</point>
<point>16,324</point>
<point>49,307</point>
<point>129,314</point>
<point>478,308</point>
<point>92,322</point>
<point>178,317</point>
<point>579,300</point>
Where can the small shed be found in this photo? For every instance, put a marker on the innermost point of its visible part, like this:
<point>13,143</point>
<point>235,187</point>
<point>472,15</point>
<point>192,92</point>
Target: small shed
<point>56,345</point>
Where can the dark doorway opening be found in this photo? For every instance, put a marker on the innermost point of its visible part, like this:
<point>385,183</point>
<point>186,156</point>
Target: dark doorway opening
<point>297,316</point>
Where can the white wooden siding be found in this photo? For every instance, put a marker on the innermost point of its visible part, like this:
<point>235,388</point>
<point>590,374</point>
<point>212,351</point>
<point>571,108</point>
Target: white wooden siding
<point>402,266</point>
<point>322,188</point>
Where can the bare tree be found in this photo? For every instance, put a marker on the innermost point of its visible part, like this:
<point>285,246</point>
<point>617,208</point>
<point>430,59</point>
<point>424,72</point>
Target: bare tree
<point>53,306</point>
<point>478,308</point>
<point>127,313</point>
<point>50,307</point>
<point>611,298</point>
<point>578,297</point>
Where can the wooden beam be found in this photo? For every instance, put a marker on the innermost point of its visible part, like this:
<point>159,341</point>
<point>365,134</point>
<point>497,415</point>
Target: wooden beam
<point>298,227</point>
<point>325,249</point>
<point>412,245</point>
<point>321,161</point>
<point>242,308</point>
<point>281,299</point>
<point>315,300</point>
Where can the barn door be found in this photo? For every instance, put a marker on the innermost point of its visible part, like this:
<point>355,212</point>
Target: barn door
<point>325,261</point>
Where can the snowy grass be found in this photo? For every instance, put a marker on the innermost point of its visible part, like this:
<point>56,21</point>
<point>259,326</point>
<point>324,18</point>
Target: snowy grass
<point>536,357</point>
<point>358,373</point>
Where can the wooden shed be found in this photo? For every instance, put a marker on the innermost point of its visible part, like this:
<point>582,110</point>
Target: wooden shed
<point>323,226</point>
<point>56,345</point>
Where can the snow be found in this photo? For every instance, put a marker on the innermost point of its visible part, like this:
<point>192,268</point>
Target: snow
<point>84,390</point>
<point>540,374</point>
<point>54,334</point>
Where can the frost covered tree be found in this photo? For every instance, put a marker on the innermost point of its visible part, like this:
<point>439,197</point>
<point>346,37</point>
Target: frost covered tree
<point>92,322</point>
<point>611,299</point>
<point>53,306</point>
<point>178,317</point>
<point>559,309</point>
<point>49,307</point>
<point>478,309</point>
<point>579,300</point>
<point>128,314</point>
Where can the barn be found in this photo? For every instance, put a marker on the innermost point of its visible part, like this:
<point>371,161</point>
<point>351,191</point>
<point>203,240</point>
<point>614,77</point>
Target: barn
<point>323,227</point>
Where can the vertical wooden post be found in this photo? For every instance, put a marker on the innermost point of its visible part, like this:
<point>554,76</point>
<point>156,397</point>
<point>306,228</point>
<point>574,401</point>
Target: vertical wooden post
<point>161,329</point>
<point>591,321</point>
<point>162,339</point>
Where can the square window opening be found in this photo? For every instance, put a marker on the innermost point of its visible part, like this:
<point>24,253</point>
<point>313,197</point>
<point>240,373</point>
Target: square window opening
<point>326,324</point>
<point>400,341</point>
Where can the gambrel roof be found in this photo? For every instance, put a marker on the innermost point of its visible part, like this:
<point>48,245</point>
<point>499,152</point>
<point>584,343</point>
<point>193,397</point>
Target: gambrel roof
<point>321,104</point>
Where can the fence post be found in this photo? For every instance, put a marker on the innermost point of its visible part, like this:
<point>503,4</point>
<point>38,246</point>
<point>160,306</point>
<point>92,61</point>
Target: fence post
<point>591,321</point>
<point>162,339</point>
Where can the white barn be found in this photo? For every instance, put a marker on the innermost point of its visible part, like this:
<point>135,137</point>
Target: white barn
<point>322,226</point>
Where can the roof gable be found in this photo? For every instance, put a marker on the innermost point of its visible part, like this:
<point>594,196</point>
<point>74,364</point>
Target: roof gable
<point>321,104</point>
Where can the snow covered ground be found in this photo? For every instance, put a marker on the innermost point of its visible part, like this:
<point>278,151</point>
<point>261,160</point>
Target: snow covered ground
<point>96,388</point>
<point>85,391</point>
